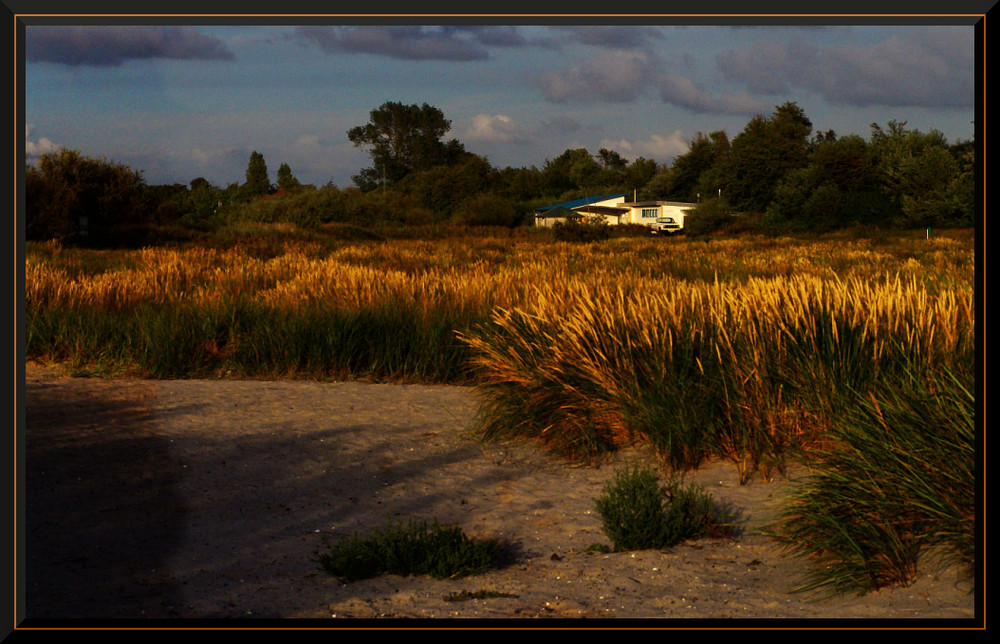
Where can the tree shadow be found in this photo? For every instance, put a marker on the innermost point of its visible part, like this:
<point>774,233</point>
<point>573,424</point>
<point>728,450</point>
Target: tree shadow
<point>101,508</point>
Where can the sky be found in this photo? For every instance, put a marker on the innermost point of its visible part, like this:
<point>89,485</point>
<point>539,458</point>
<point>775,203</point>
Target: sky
<point>183,101</point>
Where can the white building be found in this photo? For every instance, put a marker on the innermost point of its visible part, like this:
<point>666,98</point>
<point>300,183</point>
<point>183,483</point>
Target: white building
<point>666,216</point>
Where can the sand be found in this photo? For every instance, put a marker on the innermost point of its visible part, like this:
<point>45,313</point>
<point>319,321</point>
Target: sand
<point>171,501</point>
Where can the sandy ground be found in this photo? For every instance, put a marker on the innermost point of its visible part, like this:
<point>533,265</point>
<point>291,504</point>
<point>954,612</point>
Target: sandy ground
<point>178,500</point>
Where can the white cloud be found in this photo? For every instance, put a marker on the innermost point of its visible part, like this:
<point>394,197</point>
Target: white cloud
<point>495,128</point>
<point>657,146</point>
<point>40,147</point>
<point>307,143</point>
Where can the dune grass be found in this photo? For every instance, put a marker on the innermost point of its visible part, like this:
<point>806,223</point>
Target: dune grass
<point>828,351</point>
<point>895,489</point>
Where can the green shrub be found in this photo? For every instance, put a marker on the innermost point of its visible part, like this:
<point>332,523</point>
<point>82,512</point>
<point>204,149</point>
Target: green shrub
<point>573,231</point>
<point>416,548</point>
<point>710,216</point>
<point>639,513</point>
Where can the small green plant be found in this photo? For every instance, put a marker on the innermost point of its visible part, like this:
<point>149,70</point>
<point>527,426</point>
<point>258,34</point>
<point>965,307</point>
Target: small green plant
<point>638,512</point>
<point>466,595</point>
<point>414,548</point>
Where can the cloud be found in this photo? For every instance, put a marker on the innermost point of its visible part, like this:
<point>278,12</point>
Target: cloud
<point>497,128</point>
<point>623,75</point>
<point>681,91</point>
<point>655,147</point>
<point>110,46</point>
<point>609,35</point>
<point>561,125</point>
<point>618,75</point>
<point>307,143</point>
<point>228,161</point>
<point>495,35</point>
<point>408,42</point>
<point>928,67</point>
<point>38,148</point>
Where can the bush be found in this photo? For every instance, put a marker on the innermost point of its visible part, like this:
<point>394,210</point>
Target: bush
<point>581,232</point>
<point>416,548</point>
<point>71,197</point>
<point>486,210</point>
<point>710,216</point>
<point>638,513</point>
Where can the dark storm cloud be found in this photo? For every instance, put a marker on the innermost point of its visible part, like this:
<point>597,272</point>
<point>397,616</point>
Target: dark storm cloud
<point>930,67</point>
<point>104,46</point>
<point>412,42</point>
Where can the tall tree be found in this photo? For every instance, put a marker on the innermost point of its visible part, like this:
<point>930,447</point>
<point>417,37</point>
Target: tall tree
<point>573,171</point>
<point>258,182</point>
<point>286,180</point>
<point>611,160</point>
<point>919,172</point>
<point>839,187</point>
<point>688,174</point>
<point>403,139</point>
<point>638,174</point>
<point>762,154</point>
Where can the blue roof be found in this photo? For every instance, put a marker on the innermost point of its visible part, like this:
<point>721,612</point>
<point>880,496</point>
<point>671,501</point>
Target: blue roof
<point>576,203</point>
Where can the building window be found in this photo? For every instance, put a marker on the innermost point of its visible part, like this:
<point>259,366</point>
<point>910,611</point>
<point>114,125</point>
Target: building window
<point>650,213</point>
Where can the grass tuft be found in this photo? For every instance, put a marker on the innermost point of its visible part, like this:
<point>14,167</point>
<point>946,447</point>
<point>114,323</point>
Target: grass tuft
<point>414,548</point>
<point>896,489</point>
<point>639,513</point>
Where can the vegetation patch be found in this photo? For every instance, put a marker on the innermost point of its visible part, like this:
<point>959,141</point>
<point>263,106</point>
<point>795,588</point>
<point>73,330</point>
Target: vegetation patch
<point>466,595</point>
<point>897,488</point>
<point>413,548</point>
<point>640,513</point>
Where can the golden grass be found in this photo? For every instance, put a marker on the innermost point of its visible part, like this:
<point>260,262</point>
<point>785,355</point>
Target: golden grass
<point>626,283</point>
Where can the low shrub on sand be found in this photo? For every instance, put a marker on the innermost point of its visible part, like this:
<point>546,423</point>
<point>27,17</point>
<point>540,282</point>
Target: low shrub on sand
<point>639,513</point>
<point>414,548</point>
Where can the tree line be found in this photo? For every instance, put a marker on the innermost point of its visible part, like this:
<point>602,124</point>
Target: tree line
<point>776,174</point>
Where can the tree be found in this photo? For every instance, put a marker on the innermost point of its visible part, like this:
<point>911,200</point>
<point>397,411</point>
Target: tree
<point>574,170</point>
<point>69,195</point>
<point>688,174</point>
<point>442,188</point>
<point>920,174</point>
<point>762,154</point>
<point>286,181</point>
<point>204,199</point>
<point>518,184</point>
<point>638,174</point>
<point>403,139</point>
<point>258,182</point>
<point>962,190</point>
<point>486,209</point>
<point>611,160</point>
<point>839,187</point>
